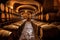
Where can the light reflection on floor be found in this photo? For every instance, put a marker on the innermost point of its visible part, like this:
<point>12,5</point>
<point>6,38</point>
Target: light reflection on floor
<point>27,33</point>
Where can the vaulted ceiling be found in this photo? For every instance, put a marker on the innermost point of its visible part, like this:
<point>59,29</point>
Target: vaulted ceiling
<point>4,1</point>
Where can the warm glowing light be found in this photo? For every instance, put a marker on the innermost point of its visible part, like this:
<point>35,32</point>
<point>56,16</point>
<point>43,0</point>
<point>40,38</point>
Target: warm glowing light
<point>41,16</point>
<point>47,17</point>
<point>59,0</point>
<point>26,11</point>
<point>41,9</point>
<point>6,9</point>
<point>2,7</point>
<point>11,7</point>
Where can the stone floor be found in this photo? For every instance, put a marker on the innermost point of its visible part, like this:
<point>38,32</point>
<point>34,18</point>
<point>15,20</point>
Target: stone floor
<point>27,33</point>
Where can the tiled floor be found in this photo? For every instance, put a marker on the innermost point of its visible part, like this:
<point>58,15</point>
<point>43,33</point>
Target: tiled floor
<point>27,33</point>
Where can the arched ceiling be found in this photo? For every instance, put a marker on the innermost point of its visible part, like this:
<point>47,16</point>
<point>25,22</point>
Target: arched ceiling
<point>26,6</point>
<point>11,3</point>
<point>19,4</point>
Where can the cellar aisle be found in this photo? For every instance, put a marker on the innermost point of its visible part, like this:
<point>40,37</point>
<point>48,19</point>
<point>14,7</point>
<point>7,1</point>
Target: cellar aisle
<point>27,33</point>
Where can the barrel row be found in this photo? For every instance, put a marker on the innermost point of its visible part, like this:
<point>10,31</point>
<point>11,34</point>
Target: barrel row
<point>7,32</point>
<point>47,30</point>
<point>7,13</point>
<point>48,17</point>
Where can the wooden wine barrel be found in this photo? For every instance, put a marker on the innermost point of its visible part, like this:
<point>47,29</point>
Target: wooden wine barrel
<point>3,17</point>
<point>36,17</point>
<point>41,16</point>
<point>6,9</point>
<point>10,10</point>
<point>50,31</point>
<point>10,16</point>
<point>7,16</point>
<point>49,17</point>
<point>52,17</point>
<point>45,17</point>
<point>4,33</point>
<point>2,7</point>
<point>14,27</point>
